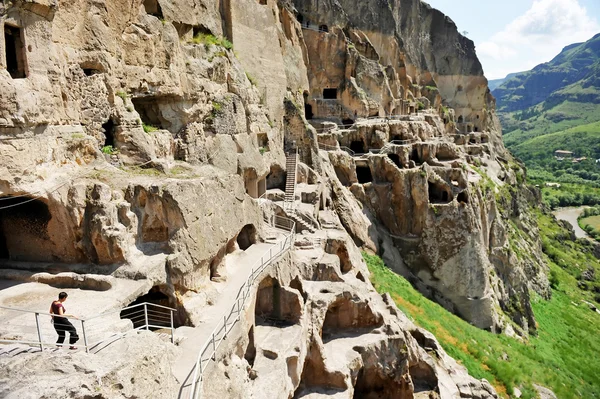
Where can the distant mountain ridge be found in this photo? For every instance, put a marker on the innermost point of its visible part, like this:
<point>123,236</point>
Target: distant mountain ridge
<point>495,83</point>
<point>573,75</point>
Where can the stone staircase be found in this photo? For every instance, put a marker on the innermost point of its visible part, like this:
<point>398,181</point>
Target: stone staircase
<point>291,166</point>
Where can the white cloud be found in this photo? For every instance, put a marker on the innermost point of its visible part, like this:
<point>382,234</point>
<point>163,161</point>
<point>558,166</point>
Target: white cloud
<point>536,36</point>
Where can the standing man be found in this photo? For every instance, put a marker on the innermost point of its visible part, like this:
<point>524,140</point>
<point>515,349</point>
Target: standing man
<point>61,323</point>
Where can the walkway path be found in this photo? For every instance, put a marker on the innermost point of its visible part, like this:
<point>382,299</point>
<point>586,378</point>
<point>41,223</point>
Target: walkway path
<point>239,269</point>
<point>570,215</point>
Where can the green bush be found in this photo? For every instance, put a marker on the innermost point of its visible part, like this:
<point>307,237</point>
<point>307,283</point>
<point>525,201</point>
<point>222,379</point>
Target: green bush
<point>109,150</point>
<point>149,128</point>
<point>208,40</point>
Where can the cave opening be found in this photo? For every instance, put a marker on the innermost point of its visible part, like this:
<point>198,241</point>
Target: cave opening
<point>4,254</point>
<point>323,28</point>
<point>461,119</point>
<point>363,174</point>
<point>24,230</point>
<point>109,133</point>
<point>275,305</point>
<point>358,147</point>
<point>200,29</point>
<point>153,8</point>
<point>157,295</point>
<point>476,129</point>
<point>276,178</point>
<point>414,156</point>
<point>251,184</point>
<point>438,194</point>
<point>330,94</point>
<point>247,237</point>
<point>395,158</point>
<point>14,48</point>
<point>262,141</point>
<point>463,197</point>
<point>308,111</point>
<point>347,122</point>
<point>396,137</point>
<point>149,110</point>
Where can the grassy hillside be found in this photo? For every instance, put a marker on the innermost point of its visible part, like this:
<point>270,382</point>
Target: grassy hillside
<point>565,356</point>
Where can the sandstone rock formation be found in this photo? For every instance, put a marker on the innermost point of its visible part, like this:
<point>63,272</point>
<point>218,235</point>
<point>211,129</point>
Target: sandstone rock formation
<point>147,140</point>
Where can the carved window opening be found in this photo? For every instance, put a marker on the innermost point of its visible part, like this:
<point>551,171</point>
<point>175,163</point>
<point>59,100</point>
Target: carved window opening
<point>152,7</point>
<point>358,147</point>
<point>461,119</point>
<point>363,174</point>
<point>330,94</point>
<point>323,28</point>
<point>14,47</point>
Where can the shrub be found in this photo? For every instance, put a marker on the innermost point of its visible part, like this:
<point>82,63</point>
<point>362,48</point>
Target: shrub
<point>208,40</point>
<point>109,150</point>
<point>149,128</point>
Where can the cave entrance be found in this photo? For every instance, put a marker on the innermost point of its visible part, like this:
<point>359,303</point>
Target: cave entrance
<point>158,295</point>
<point>363,174</point>
<point>396,137</point>
<point>14,48</point>
<point>247,237</point>
<point>347,122</point>
<point>395,158</point>
<point>461,119</point>
<point>476,129</point>
<point>308,111</point>
<point>414,156</point>
<point>323,28</point>
<point>358,147</point>
<point>24,230</point>
<point>251,184</point>
<point>438,194</point>
<point>463,197</point>
<point>153,8</point>
<point>109,133</point>
<point>276,178</point>
<point>276,305</point>
<point>149,110</point>
<point>263,141</point>
<point>329,94</point>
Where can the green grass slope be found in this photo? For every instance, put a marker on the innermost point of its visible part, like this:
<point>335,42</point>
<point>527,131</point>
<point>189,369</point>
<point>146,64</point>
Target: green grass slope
<point>565,356</point>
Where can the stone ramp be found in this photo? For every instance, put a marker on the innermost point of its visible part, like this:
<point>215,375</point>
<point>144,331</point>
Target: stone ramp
<point>193,339</point>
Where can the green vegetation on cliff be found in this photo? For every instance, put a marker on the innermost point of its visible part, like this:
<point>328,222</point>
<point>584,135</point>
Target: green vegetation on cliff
<point>562,357</point>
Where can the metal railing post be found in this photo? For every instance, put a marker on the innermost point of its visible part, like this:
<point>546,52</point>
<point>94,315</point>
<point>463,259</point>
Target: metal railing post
<point>146,315</point>
<point>37,324</point>
<point>172,329</point>
<point>85,341</point>
<point>225,324</point>
<point>214,355</point>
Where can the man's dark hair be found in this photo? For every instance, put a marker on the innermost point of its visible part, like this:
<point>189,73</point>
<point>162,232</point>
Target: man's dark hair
<point>62,295</point>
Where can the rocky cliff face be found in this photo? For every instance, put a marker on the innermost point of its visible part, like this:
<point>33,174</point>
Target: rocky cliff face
<point>137,137</point>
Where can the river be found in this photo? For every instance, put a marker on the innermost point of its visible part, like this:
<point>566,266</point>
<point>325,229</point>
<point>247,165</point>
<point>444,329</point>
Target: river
<point>570,215</point>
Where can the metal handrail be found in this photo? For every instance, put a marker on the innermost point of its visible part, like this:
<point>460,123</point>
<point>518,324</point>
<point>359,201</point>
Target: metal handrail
<point>328,147</point>
<point>87,345</point>
<point>219,334</point>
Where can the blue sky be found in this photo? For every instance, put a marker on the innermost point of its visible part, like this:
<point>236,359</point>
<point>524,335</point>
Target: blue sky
<point>516,35</point>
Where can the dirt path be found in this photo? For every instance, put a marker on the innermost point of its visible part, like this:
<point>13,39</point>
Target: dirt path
<point>570,215</point>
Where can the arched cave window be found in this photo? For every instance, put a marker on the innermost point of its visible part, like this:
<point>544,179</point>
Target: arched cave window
<point>247,237</point>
